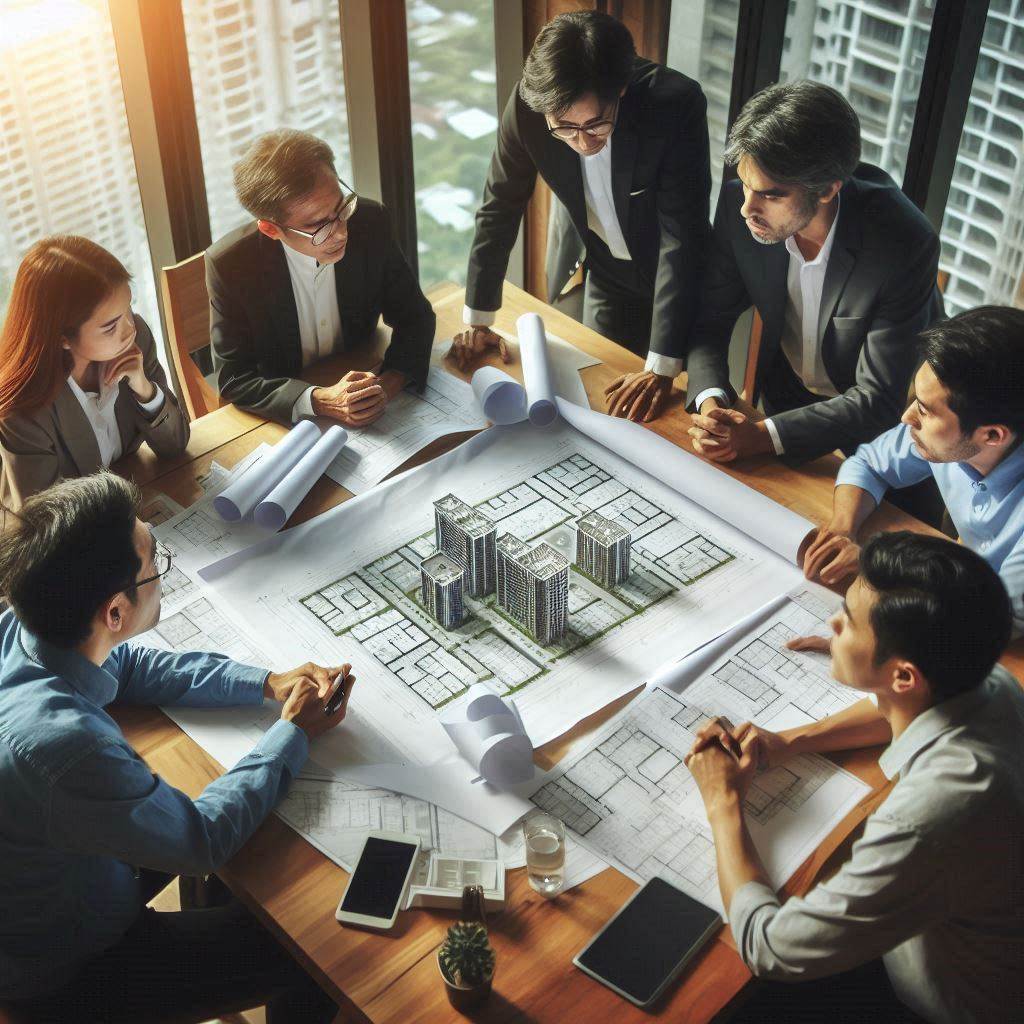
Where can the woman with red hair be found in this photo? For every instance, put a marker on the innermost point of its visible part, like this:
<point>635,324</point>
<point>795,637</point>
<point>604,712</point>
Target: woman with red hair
<point>80,383</point>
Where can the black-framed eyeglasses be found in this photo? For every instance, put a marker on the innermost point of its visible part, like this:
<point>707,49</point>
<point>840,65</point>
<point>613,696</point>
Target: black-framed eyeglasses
<point>163,562</point>
<point>322,233</point>
<point>595,129</point>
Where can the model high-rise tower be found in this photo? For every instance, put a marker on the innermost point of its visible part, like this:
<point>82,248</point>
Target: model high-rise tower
<point>602,549</point>
<point>442,581</point>
<point>533,587</point>
<point>466,536</point>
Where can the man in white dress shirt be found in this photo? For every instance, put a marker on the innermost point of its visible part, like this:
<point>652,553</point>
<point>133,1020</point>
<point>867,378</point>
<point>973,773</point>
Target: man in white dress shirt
<point>926,917</point>
<point>312,275</point>
<point>840,265</point>
<point>623,144</point>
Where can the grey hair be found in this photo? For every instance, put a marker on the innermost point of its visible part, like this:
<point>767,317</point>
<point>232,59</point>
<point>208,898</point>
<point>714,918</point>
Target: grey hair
<point>279,168</point>
<point>800,133</point>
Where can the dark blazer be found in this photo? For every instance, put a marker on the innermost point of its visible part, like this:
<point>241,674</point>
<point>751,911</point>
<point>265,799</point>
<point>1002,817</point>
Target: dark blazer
<point>879,292</point>
<point>660,179</point>
<point>254,325</point>
<point>58,442</point>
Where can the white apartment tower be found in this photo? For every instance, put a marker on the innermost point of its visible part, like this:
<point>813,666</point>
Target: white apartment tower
<point>442,581</point>
<point>602,549</point>
<point>533,587</point>
<point>466,536</point>
<point>873,52</point>
<point>258,65</point>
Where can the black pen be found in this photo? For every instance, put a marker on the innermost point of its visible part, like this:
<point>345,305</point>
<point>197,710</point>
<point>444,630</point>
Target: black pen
<point>337,695</point>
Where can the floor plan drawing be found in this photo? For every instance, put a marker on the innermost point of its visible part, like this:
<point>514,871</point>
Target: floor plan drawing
<point>410,423</point>
<point>630,797</point>
<point>762,681</point>
<point>348,586</point>
<point>380,605</point>
<point>200,626</point>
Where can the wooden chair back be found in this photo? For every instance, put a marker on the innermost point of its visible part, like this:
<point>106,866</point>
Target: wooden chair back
<point>187,305</point>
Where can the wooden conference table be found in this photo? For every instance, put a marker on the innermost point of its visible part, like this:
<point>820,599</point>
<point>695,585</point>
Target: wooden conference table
<point>294,889</point>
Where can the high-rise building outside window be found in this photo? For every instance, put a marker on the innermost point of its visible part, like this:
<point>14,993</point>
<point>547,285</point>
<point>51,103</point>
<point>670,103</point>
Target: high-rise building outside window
<point>983,228</point>
<point>702,45</point>
<point>66,163</point>
<point>257,65</point>
<point>873,52</point>
<point>454,127</point>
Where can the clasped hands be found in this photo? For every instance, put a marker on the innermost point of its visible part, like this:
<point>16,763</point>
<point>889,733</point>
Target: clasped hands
<point>359,398</point>
<point>721,434</point>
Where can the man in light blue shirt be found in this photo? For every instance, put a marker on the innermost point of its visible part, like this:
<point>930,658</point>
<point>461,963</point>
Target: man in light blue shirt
<point>925,920</point>
<point>965,428</point>
<point>85,825</point>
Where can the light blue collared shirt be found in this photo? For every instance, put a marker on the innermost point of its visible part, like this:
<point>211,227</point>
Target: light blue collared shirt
<point>80,810</point>
<point>987,511</point>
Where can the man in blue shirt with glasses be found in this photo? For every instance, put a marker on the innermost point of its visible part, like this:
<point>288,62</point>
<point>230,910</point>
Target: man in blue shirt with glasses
<point>964,427</point>
<point>88,833</point>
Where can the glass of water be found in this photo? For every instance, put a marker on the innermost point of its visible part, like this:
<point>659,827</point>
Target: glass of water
<point>545,852</point>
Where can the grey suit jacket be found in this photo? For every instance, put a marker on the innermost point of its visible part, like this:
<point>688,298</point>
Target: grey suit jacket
<point>254,323</point>
<point>879,292</point>
<point>58,442</point>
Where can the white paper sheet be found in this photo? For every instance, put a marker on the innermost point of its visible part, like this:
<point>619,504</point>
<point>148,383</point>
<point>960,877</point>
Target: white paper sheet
<point>540,389</point>
<point>158,509</point>
<point>239,498</point>
<point>489,735</point>
<point>629,797</point>
<point>276,508</point>
<point>343,588</point>
<point>501,397</point>
<point>751,512</point>
<point>408,425</point>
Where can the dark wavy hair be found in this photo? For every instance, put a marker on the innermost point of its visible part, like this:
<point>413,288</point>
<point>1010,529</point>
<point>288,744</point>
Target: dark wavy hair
<point>574,54</point>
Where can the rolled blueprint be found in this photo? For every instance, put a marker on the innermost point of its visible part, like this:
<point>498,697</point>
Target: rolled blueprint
<point>540,389</point>
<point>241,497</point>
<point>501,397</point>
<point>489,734</point>
<point>276,508</point>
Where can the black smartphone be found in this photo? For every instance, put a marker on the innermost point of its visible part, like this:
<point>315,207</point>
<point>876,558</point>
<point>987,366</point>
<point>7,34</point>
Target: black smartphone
<point>646,945</point>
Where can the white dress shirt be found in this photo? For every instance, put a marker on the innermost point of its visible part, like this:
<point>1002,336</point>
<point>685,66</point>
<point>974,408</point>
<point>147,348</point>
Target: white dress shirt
<point>316,304</point>
<point>805,280</point>
<point>99,411</point>
<point>933,886</point>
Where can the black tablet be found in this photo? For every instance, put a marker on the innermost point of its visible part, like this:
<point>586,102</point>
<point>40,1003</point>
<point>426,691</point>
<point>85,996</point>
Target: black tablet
<point>648,942</point>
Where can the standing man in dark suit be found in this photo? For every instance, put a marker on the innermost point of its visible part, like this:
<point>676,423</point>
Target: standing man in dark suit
<point>623,144</point>
<point>312,276</point>
<point>840,265</point>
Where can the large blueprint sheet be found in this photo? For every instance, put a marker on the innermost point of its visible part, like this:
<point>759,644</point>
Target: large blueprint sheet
<point>345,586</point>
<point>630,798</point>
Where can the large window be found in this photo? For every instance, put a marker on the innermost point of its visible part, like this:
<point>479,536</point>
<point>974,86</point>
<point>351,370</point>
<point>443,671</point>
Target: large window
<point>873,52</point>
<point>454,124</point>
<point>983,230</point>
<point>257,65</point>
<point>702,45</point>
<point>66,164</point>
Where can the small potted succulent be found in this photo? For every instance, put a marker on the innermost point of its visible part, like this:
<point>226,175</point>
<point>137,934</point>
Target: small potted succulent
<point>466,962</point>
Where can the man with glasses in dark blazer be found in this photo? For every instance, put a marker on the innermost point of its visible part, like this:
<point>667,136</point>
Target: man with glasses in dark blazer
<point>623,144</point>
<point>310,277</point>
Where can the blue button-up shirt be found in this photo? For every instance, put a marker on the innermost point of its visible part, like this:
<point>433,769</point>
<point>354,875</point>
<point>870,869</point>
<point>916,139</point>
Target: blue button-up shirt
<point>79,809</point>
<point>987,511</point>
